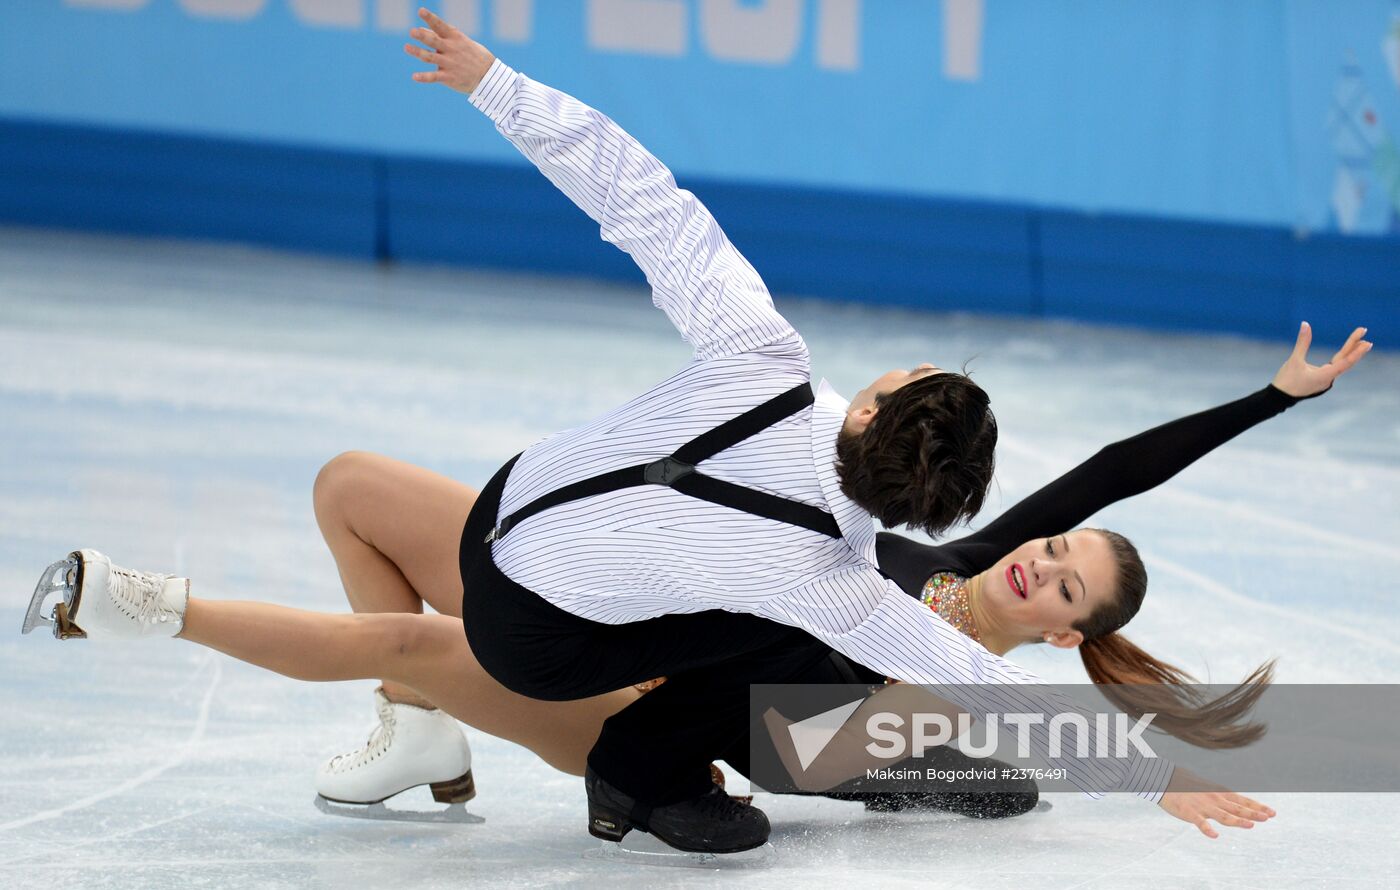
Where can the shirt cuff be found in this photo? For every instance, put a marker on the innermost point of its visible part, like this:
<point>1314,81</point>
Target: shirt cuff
<point>496,92</point>
<point>1151,779</point>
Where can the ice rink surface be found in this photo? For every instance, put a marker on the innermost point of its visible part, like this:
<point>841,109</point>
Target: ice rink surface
<point>170,404</point>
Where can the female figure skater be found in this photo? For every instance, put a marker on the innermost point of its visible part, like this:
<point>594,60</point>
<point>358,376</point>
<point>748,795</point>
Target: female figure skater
<point>1028,576</point>
<point>604,544</point>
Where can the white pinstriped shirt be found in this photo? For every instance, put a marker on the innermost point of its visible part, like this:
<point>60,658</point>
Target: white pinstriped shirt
<point>641,552</point>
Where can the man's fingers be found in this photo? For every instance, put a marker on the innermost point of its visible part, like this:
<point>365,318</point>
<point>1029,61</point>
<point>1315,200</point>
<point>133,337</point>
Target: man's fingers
<point>1204,825</point>
<point>437,24</point>
<point>427,76</point>
<point>423,35</point>
<point>426,55</point>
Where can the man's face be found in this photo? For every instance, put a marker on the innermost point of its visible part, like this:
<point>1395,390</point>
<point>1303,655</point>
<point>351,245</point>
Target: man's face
<point>888,383</point>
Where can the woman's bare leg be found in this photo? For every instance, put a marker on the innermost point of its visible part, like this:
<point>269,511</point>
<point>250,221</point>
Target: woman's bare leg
<point>426,654</point>
<point>394,530</point>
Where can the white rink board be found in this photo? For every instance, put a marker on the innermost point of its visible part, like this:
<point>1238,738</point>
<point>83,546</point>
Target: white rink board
<point>170,404</point>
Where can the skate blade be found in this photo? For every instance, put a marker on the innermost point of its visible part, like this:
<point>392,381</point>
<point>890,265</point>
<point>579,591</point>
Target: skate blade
<point>639,848</point>
<point>455,814</point>
<point>58,578</point>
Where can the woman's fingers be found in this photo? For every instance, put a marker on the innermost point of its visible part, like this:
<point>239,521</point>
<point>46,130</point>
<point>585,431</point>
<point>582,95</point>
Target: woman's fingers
<point>1236,810</point>
<point>1225,817</point>
<point>1245,812</point>
<point>1359,350</point>
<point>1350,348</point>
<point>1346,359</point>
<point>1300,347</point>
<point>1241,800</point>
<point>1200,808</point>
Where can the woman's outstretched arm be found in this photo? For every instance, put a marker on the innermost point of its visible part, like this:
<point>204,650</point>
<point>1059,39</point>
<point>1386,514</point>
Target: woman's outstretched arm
<point>1143,462</point>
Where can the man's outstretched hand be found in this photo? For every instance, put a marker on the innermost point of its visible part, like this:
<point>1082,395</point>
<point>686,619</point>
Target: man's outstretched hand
<point>461,62</point>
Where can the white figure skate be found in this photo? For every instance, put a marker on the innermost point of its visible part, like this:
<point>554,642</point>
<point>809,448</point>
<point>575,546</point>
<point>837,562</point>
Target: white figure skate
<point>106,601</point>
<point>409,747</point>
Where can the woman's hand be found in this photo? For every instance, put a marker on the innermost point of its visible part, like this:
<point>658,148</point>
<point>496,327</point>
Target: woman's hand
<point>1192,799</point>
<point>1301,380</point>
<point>461,62</point>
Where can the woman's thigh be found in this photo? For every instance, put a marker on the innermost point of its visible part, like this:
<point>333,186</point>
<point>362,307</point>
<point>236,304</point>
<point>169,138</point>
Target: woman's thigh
<point>411,515</point>
<point>438,663</point>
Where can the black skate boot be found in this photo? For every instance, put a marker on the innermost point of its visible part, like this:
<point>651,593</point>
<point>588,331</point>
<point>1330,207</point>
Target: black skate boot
<point>711,823</point>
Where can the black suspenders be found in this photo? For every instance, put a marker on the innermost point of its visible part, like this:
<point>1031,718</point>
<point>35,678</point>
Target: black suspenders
<point>678,471</point>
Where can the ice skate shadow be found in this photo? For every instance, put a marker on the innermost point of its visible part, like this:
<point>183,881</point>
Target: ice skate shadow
<point>453,814</point>
<point>792,834</point>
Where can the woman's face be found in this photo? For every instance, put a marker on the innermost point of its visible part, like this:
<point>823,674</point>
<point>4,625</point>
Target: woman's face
<point>1046,585</point>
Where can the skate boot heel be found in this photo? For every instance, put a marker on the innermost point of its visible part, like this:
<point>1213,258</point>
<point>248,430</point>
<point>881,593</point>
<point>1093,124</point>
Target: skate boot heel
<point>607,825</point>
<point>458,790</point>
<point>63,626</point>
<point>409,747</point>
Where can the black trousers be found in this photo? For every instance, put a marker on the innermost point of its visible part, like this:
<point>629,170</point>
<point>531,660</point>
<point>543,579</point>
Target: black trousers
<point>659,749</point>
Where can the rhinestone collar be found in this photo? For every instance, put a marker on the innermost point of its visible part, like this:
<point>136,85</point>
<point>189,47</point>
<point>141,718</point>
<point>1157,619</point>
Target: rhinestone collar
<point>947,595</point>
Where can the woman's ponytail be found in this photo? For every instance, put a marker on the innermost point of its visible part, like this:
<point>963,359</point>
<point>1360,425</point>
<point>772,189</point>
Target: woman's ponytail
<point>1137,683</point>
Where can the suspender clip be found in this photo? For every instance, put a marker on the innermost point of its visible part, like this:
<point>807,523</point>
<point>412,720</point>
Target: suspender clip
<point>500,531</point>
<point>666,471</point>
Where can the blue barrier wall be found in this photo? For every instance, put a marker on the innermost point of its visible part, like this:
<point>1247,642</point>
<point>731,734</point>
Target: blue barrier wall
<point>1201,165</point>
<point>891,249</point>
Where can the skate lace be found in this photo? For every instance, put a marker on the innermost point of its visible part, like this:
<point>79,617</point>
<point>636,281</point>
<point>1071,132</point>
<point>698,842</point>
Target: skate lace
<point>720,805</point>
<point>380,738</point>
<point>139,594</point>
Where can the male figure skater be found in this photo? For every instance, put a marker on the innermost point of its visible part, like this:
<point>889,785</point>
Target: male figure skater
<point>727,503</point>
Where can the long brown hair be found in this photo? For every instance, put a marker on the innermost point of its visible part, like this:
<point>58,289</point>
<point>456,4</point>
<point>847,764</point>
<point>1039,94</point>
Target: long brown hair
<point>1138,683</point>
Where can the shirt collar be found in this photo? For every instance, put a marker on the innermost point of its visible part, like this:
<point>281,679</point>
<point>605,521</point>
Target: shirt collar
<point>828,416</point>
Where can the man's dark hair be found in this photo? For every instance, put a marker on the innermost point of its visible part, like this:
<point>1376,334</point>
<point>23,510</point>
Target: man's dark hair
<point>926,459</point>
